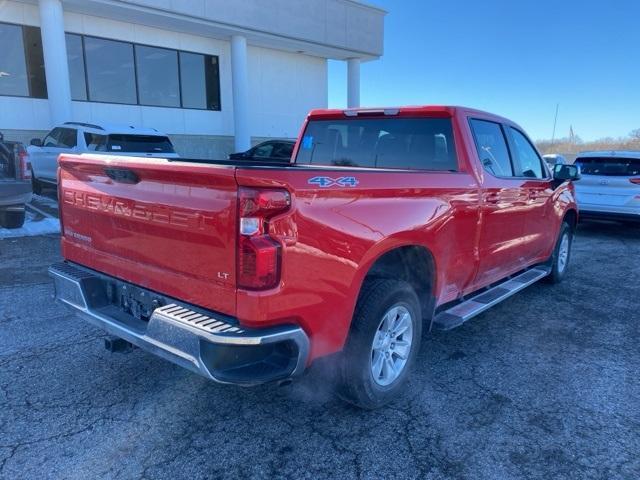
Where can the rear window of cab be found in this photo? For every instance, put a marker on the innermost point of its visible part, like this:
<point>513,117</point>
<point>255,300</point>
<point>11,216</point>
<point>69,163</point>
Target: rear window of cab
<point>390,143</point>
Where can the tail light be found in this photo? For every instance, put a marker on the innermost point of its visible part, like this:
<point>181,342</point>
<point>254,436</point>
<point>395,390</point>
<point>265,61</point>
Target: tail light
<point>258,252</point>
<point>635,180</point>
<point>24,165</point>
<point>59,189</point>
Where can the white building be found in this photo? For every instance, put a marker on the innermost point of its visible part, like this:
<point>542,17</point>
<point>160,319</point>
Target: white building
<point>204,71</point>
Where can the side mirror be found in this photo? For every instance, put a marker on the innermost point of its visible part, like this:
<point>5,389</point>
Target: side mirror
<point>563,173</point>
<point>36,142</point>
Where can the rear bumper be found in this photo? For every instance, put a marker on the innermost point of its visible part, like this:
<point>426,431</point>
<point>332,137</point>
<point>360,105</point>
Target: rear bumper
<point>207,343</point>
<point>14,193</point>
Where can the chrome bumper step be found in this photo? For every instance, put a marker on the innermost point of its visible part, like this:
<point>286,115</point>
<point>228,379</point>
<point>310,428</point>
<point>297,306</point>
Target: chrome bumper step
<point>194,319</point>
<point>204,342</point>
<point>469,308</point>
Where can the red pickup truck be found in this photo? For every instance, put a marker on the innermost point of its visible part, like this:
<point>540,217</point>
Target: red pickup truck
<point>387,223</point>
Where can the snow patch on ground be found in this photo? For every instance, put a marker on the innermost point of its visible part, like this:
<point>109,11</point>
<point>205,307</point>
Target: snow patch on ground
<point>32,227</point>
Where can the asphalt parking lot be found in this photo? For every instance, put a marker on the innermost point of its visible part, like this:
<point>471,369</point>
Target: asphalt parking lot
<point>546,385</point>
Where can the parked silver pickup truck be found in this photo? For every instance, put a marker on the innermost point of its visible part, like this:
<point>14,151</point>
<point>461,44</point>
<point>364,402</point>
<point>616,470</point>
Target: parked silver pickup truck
<point>15,183</point>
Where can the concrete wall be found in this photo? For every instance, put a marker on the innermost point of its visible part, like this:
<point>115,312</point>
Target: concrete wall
<point>322,25</point>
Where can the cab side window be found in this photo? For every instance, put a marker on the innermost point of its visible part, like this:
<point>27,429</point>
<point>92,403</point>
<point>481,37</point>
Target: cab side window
<point>492,148</point>
<point>68,138</point>
<point>283,150</point>
<point>528,162</point>
<point>263,151</point>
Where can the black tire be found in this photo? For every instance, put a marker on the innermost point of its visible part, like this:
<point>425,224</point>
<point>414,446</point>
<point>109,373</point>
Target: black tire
<point>356,382</point>
<point>11,219</point>
<point>558,268</point>
<point>36,185</point>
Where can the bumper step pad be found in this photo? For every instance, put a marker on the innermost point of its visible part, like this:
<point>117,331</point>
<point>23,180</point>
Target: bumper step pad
<point>195,319</point>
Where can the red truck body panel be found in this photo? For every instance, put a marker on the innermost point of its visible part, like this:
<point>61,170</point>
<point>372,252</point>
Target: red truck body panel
<point>172,232</point>
<point>179,235</point>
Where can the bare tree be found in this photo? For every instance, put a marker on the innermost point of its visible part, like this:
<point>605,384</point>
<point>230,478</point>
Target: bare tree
<point>569,146</point>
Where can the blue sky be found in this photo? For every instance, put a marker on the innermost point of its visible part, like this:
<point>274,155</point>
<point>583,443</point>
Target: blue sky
<point>517,58</point>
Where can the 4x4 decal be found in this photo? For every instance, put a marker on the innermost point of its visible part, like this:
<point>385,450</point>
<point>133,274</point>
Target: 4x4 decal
<point>324,182</point>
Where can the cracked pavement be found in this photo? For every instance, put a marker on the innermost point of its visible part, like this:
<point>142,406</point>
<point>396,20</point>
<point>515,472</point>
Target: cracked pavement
<point>545,385</point>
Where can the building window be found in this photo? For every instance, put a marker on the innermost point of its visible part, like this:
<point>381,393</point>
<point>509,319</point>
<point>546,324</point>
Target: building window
<point>110,71</point>
<point>200,81</point>
<point>75,58</point>
<point>192,80</point>
<point>157,76</point>
<point>21,62</point>
<point>13,67</point>
<point>35,62</point>
<point>212,79</point>
<point>102,70</point>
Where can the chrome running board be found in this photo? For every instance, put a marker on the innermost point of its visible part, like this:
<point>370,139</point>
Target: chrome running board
<point>469,308</point>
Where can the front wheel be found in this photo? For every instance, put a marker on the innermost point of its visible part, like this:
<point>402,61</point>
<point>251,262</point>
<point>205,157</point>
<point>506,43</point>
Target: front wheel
<point>561,254</point>
<point>383,343</point>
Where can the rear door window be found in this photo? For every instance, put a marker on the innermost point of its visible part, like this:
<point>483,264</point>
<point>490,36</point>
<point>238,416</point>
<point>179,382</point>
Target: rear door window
<point>95,142</point>
<point>395,143</point>
<point>139,144</point>
<point>491,145</point>
<point>609,166</point>
<point>528,162</point>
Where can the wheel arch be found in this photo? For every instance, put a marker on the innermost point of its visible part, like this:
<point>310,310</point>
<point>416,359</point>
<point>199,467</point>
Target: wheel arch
<point>412,263</point>
<point>571,217</point>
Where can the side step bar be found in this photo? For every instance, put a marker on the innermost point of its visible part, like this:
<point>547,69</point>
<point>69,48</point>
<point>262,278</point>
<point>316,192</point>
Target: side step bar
<point>466,310</point>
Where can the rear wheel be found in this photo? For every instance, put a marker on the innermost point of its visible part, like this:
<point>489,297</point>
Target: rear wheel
<point>561,254</point>
<point>383,343</point>
<point>11,219</point>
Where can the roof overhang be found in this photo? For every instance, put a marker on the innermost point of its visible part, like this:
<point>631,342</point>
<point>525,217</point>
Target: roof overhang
<point>336,29</point>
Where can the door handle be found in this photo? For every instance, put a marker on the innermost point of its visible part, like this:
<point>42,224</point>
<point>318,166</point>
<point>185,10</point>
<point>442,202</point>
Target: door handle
<point>122,175</point>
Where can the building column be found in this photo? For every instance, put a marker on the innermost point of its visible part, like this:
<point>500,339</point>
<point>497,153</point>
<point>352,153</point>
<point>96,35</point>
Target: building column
<point>55,60</point>
<point>353,83</point>
<point>240,87</point>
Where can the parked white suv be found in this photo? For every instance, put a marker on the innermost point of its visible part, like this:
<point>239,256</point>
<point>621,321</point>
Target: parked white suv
<point>75,137</point>
<point>610,185</point>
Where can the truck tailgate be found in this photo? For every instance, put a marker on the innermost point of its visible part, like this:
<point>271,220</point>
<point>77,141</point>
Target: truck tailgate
<point>166,226</point>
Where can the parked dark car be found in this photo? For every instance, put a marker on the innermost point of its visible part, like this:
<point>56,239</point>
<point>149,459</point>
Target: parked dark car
<point>15,183</point>
<point>277,151</point>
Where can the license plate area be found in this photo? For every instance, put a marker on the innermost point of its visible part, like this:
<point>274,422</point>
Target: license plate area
<point>132,300</point>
